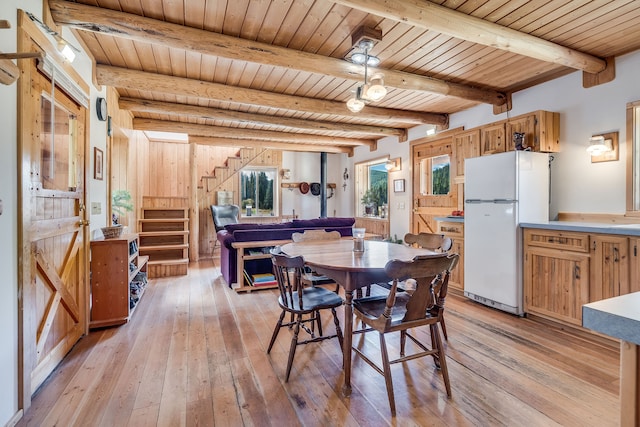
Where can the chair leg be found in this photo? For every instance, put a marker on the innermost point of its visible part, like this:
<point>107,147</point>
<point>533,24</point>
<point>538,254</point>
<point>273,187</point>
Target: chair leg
<point>432,332</point>
<point>294,344</point>
<point>403,340</point>
<point>337,323</point>
<point>386,368</point>
<point>275,332</point>
<point>319,321</point>
<point>444,328</point>
<point>442,358</point>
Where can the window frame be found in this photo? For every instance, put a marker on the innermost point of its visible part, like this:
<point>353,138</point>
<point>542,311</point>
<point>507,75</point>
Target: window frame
<point>633,159</point>
<point>362,184</point>
<point>276,194</point>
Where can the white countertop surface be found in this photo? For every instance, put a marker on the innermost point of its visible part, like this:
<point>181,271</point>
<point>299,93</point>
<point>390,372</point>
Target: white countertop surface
<point>618,317</point>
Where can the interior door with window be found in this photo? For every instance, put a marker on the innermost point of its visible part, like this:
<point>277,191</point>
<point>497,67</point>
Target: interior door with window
<point>54,232</point>
<point>434,193</point>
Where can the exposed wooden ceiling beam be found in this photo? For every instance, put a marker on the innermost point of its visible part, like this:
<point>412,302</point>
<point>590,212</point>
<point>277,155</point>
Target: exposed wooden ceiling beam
<point>251,134</point>
<point>139,105</point>
<point>180,86</point>
<point>424,14</point>
<point>226,142</point>
<point>138,28</point>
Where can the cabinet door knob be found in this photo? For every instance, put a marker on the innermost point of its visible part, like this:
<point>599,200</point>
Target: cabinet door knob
<point>577,272</point>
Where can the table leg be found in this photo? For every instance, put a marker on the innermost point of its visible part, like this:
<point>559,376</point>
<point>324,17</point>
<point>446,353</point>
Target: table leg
<point>346,344</point>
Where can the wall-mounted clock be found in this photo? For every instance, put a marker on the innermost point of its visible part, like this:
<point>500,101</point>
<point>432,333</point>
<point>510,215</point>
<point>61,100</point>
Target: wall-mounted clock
<point>101,109</point>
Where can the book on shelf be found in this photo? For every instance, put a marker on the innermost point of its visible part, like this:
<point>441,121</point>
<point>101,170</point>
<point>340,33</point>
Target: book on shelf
<point>266,283</point>
<point>260,279</point>
<point>263,277</point>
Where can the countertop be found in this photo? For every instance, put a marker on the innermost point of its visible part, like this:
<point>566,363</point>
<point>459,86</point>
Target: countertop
<point>587,227</point>
<point>449,218</point>
<point>618,317</point>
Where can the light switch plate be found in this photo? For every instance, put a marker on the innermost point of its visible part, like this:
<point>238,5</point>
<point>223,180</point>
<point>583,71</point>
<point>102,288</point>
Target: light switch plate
<point>400,206</point>
<point>96,208</point>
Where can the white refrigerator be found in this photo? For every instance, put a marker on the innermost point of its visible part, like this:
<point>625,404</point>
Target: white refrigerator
<point>501,191</point>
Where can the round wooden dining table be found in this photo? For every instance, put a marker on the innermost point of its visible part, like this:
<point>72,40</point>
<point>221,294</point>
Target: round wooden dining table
<point>351,270</point>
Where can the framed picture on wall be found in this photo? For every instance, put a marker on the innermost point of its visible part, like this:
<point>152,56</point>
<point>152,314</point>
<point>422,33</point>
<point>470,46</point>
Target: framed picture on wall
<point>398,185</point>
<point>98,164</point>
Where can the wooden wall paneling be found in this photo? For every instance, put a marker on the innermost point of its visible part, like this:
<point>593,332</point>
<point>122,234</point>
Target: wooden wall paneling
<point>194,222</point>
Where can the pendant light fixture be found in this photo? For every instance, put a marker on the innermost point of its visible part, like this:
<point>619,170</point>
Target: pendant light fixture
<point>372,90</point>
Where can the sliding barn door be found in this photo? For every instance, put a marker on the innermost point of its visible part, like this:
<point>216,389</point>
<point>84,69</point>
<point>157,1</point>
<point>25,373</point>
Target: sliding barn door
<point>54,232</point>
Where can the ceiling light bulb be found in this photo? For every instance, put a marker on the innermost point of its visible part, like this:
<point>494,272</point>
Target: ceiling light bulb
<point>355,105</point>
<point>373,61</point>
<point>376,91</point>
<point>358,58</point>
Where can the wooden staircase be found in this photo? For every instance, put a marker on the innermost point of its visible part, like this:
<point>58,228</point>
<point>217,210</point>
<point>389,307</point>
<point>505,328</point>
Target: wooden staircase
<point>219,177</point>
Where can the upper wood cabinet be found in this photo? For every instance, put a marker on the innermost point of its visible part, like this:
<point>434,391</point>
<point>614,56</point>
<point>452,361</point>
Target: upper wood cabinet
<point>541,130</point>
<point>492,139</point>
<point>541,133</point>
<point>465,145</point>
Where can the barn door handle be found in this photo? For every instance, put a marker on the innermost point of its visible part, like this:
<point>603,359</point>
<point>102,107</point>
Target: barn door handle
<point>616,258</point>
<point>577,272</point>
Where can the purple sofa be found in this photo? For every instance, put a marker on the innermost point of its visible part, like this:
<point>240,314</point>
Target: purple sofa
<point>244,232</point>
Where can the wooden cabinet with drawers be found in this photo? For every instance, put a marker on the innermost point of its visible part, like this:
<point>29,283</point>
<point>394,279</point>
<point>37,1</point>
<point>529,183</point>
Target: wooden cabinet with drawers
<point>556,274</point>
<point>564,270</point>
<point>455,231</point>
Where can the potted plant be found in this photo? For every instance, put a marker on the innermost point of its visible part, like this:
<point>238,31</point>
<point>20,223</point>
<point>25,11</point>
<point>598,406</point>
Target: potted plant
<point>370,200</point>
<point>120,204</point>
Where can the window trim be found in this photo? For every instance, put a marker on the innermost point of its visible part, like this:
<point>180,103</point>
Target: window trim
<point>361,174</point>
<point>633,158</point>
<point>276,192</point>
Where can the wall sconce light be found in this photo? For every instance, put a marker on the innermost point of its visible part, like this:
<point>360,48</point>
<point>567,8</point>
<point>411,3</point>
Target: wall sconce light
<point>285,174</point>
<point>603,147</point>
<point>598,145</point>
<point>393,165</point>
<point>66,49</point>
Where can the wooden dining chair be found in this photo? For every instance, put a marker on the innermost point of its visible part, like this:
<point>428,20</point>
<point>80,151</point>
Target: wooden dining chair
<point>435,242</point>
<point>303,303</point>
<point>423,306</point>
<point>312,278</point>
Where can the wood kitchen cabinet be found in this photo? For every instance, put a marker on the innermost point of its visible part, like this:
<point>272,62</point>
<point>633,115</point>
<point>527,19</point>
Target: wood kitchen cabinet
<point>564,270</point>
<point>492,139</point>
<point>634,264</point>
<point>556,274</point>
<point>455,231</point>
<point>609,266</point>
<point>466,144</point>
<point>541,129</point>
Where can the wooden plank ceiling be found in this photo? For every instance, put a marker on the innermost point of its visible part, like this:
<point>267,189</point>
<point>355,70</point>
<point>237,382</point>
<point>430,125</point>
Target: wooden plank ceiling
<point>258,72</point>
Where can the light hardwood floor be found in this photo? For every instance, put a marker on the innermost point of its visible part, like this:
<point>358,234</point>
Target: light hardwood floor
<point>194,354</point>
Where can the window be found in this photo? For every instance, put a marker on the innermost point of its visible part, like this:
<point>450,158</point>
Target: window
<point>258,193</point>
<point>58,138</point>
<point>371,188</point>
<point>435,175</point>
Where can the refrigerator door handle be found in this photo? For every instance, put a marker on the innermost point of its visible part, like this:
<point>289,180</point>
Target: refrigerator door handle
<point>504,201</point>
<point>473,201</point>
